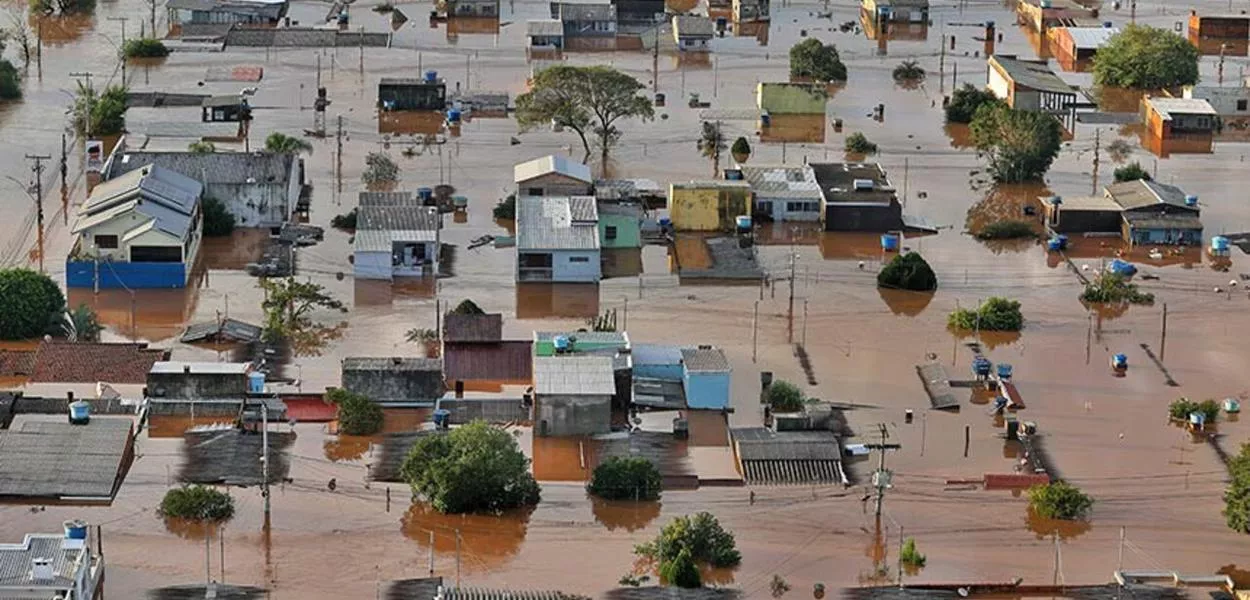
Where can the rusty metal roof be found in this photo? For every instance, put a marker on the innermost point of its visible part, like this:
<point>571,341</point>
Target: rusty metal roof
<point>501,361</point>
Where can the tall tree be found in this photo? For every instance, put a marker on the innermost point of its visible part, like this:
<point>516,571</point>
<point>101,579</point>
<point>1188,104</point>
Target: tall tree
<point>1145,57</point>
<point>31,304</point>
<point>712,143</point>
<point>1020,144</point>
<point>965,101</point>
<point>281,143</point>
<point>473,468</point>
<point>810,58</point>
<point>288,303</point>
<point>587,100</point>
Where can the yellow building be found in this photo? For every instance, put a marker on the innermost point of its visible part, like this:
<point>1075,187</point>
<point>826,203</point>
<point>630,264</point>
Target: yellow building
<point>708,205</point>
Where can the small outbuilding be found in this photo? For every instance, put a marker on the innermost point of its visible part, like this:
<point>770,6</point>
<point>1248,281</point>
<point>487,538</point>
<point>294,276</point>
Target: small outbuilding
<point>573,394</point>
<point>412,93</point>
<point>1227,34</point>
<point>545,34</point>
<point>705,375</point>
<point>786,98</point>
<point>1075,47</point>
<point>552,175</point>
<point>1031,85</point>
<point>692,32</point>
<point>712,205</point>
<point>395,237</point>
<point>395,381</point>
<point>1179,125</point>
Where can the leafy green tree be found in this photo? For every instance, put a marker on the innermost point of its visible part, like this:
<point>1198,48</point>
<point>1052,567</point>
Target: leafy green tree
<point>96,113</point>
<point>1145,57</point>
<point>820,62</point>
<point>380,170</point>
<point>201,147</point>
<point>357,415</point>
<point>1181,408</point>
<point>10,81</point>
<point>712,143</point>
<point>1020,144</point>
<point>1237,495</point>
<point>908,271</point>
<point>197,503</point>
<point>31,304</point>
<point>82,325</point>
<point>506,208</point>
<point>218,221</point>
<point>1113,288</point>
<point>287,305</point>
<point>346,220</point>
<point>681,571</point>
<point>1059,500</point>
<point>472,468</point>
<point>61,7</point>
<point>1132,172</point>
<point>587,100</point>
<point>965,101</point>
<point>281,143</point>
<point>741,148</point>
<point>995,314</point>
<point>144,48</point>
<point>910,556</point>
<point>858,143</point>
<point>784,397</point>
<point>467,307</point>
<point>1010,229</point>
<point>701,535</point>
<point>909,71</point>
<point>625,478</point>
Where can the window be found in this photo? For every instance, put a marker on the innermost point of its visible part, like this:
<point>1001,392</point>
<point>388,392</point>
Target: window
<point>534,191</point>
<point>1241,105</point>
<point>106,242</point>
<point>802,207</point>
<point>609,232</point>
<point>579,259</point>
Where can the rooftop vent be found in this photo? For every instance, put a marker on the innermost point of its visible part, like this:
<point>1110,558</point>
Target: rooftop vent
<point>863,185</point>
<point>41,569</point>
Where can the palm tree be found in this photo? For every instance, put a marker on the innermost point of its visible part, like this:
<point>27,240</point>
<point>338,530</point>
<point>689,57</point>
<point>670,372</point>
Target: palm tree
<point>712,143</point>
<point>281,143</point>
<point>81,325</point>
<point>909,71</point>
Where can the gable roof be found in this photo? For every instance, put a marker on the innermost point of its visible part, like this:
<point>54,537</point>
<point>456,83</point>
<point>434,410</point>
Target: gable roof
<point>1086,38</point>
<point>1136,194</point>
<point>166,198</point>
<point>588,375</point>
<point>782,182</point>
<point>89,362</point>
<point>211,168</point>
<point>544,27</point>
<point>1031,74</point>
<point>560,165</point>
<point>693,26</point>
<point>705,360</point>
<point>473,328</point>
<point>1181,106</point>
<point>557,223</point>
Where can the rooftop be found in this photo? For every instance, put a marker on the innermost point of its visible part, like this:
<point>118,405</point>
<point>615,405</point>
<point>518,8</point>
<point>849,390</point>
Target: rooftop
<point>705,184</point>
<point>838,183</point>
<point>705,360</point>
<point>501,361</point>
<point>693,26</point>
<point>1163,221</point>
<point>16,559</point>
<point>90,362</point>
<point>211,168</point>
<point>1166,107</point>
<point>575,375</point>
<point>586,337</point>
<point>167,198</point>
<point>397,216</point>
<point>201,368</point>
<point>400,198</point>
<point>1085,203</point>
<point>904,3</point>
<point>1086,38</point>
<point>472,328</point>
<point>557,223</point>
<point>544,27</point>
<point>1031,74</point>
<point>547,165</point>
<point>226,329</point>
<point>405,81</point>
<point>398,363</point>
<point>781,181</point>
<point>47,458</point>
<point>1137,194</point>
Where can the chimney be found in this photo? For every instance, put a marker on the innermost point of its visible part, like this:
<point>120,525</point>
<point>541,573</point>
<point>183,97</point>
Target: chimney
<point>41,569</point>
<point>69,396</point>
<point>186,369</point>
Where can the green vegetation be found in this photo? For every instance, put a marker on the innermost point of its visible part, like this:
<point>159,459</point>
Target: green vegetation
<point>858,143</point>
<point>144,48</point>
<point>603,322</point>
<point>1180,409</point>
<point>287,305</point>
<point>506,209</point>
<point>1131,172</point>
<point>1119,150</point>
<point>995,314</point>
<point>909,71</point>
<point>61,7</point>
<point>712,142</point>
<point>700,537</point>
<point>785,397</point>
<point>778,586</point>
<point>741,149</point>
<point>31,304</point>
<point>218,221</point>
<point>965,101</point>
<point>625,478</point>
<point>812,59</point>
<point>1059,500</point>
<point>10,81</point>
<point>201,147</point>
<point>380,170</point>
<point>82,325</point>
<point>1010,229</point>
<point>467,307</point>
<point>197,503</point>
<point>909,556</point>
<point>357,414</point>
<point>1148,58</point>
<point>346,220</point>
<point>908,272</point>
<point>472,468</point>
<point>1020,145</point>
<point>587,100</point>
<point>1237,495</point>
<point>97,114</point>
<point>681,571</point>
<point>421,335</point>
<point>281,143</point>
<point>1113,288</point>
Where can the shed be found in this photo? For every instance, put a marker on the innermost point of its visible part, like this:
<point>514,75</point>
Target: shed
<point>573,394</point>
<point>1180,125</point>
<point>692,32</point>
<point>504,362</point>
<point>857,197</point>
<point>620,225</point>
<point>487,328</point>
<point>396,381</point>
<point>396,239</point>
<point>785,98</point>
<point>1075,47</point>
<point>545,33</point>
<point>412,93</point>
<point>654,361</point>
<point>552,175</point>
<point>196,380</point>
<point>705,374</point>
<point>229,109</point>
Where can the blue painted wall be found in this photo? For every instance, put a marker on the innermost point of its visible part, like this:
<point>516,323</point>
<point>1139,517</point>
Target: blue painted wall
<point>657,362</point>
<point>118,275</point>
<point>707,390</point>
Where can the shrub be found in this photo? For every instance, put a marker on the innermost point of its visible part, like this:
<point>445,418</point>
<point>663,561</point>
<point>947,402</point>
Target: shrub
<point>1059,500</point>
<point>778,586</point>
<point>1145,57</point>
<point>346,220</point>
<point>379,169</point>
<point>201,147</point>
<point>1131,172</point>
<point>909,71</point>
<point>217,220</point>
<point>144,48</point>
<point>473,468</point>
<point>810,58</point>
<point>31,304</point>
<point>681,571</point>
<point>858,143</point>
<point>785,397</point>
<point>281,143</point>
<point>421,335</point>
<point>467,307</point>
<point>625,478</point>
<point>909,555</point>
<point>700,535</point>
<point>197,503</point>
<point>741,147</point>
<point>10,81</point>
<point>506,209</point>
<point>1007,230</point>
<point>965,101</point>
<point>996,314</point>
<point>1181,409</point>
<point>82,325</point>
<point>1113,288</point>
<point>1237,494</point>
<point>908,272</point>
<point>357,414</point>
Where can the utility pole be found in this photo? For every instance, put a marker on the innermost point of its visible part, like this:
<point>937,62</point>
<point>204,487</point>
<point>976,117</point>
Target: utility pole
<point>882,477</point>
<point>900,557</point>
<point>431,552</point>
<point>1163,334</point>
<point>467,74</point>
<point>942,67</point>
<point>361,35</point>
<point>790,311</point>
<point>264,441</point>
<point>338,158</point>
<point>64,163</point>
<point>1220,71</point>
<point>39,47</point>
<point>804,342</point>
<point>38,171</point>
<point>715,75</point>
<point>1119,564</point>
<point>1097,156</point>
<point>123,45</point>
<point>152,5</point>
<point>655,61</point>
<point>457,559</point>
<point>905,168</point>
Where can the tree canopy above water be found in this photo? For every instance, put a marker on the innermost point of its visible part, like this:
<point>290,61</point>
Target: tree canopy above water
<point>1020,144</point>
<point>821,62</point>
<point>1144,57</point>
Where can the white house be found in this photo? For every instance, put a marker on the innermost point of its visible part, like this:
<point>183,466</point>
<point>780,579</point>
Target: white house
<point>552,176</point>
<point>782,193</point>
<point>395,236</point>
<point>51,566</point>
<point>557,239</point>
<point>692,32</point>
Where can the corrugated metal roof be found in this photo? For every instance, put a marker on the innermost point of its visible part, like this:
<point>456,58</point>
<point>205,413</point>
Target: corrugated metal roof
<point>166,198</point>
<point>544,27</point>
<point>782,182</point>
<point>705,360</point>
<point>1086,38</point>
<point>1162,221</point>
<point>398,363</point>
<point>587,337</point>
<point>1140,193</point>
<point>1181,106</point>
<point>551,163</point>
<point>1087,203</point>
<point>383,241</point>
<point>201,368</point>
<point>398,217</point>
<point>388,199</point>
<point>473,328</point>
<point>693,26</point>
<point>53,459</point>
<point>15,563</point>
<point>557,224</point>
<point>211,168</point>
<point>656,354</point>
<point>574,375</point>
<point>501,361</point>
<point>1031,74</point>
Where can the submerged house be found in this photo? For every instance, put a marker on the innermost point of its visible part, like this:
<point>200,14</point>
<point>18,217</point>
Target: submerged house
<point>785,98</point>
<point>573,395</point>
<point>552,176</point>
<point>1041,15</point>
<point>412,93</point>
<point>395,381</point>
<point>252,13</point>
<point>545,34</point>
<point>588,24</point>
<point>1031,85</point>
<point>620,225</point>
<point>708,205</point>
<point>750,10</point>
<point>140,230</point>
<point>1230,103</point>
<point>705,374</point>
<point>557,240</point>
<point>857,197</point>
<point>470,8</point>
<point>895,11</point>
<point>1075,47</point>
<point>692,32</point>
<point>1179,125</point>
<point>1220,34</point>
<point>474,351</point>
<point>781,193</point>
<point>395,236</point>
<point>1140,212</point>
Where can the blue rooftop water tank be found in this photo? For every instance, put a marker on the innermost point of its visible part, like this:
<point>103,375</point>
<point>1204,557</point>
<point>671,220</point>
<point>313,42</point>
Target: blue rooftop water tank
<point>1219,243</point>
<point>425,193</point>
<point>79,412</point>
<point>431,76</point>
<point>982,366</point>
<point>743,222</point>
<point>1120,267</point>
<point>75,529</point>
<point>453,115</point>
<point>765,119</point>
<point>1191,200</point>
<point>1004,371</point>
<point>889,242</point>
<point>1119,361</point>
<point>442,418</point>
<point>255,382</point>
<point>561,343</point>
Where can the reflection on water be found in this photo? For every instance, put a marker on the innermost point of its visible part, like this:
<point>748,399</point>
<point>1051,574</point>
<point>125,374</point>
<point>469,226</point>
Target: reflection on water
<point>58,30</point>
<point>1008,202</point>
<point>1123,100</point>
<point>346,448</point>
<point>1044,528</point>
<point>490,540</point>
<point>563,458</point>
<point>158,314</point>
<point>470,25</point>
<point>191,529</point>
<point>624,514</point>
<point>169,426</point>
<point>809,129</point>
<point>988,339</point>
<point>905,302</point>
<point>233,252</point>
<point>374,292</point>
<point>425,124</point>
<point>622,262</point>
<point>565,300</point>
<point>1240,577</point>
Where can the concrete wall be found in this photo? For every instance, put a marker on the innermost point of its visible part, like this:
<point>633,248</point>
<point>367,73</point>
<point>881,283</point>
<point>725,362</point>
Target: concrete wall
<point>193,385</point>
<point>711,208</point>
<point>779,208</point>
<point>395,386</point>
<point>575,266</point>
<point>494,410</point>
<point>573,415</point>
<point>553,184</point>
<point>372,265</point>
<point>83,274</point>
<point>998,83</point>
<point>260,204</point>
<point>706,390</point>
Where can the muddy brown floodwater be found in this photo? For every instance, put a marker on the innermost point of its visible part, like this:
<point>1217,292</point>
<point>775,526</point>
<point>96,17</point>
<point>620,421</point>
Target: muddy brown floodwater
<point>1109,435</point>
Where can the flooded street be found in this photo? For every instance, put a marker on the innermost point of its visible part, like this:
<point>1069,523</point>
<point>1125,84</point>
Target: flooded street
<point>1109,435</point>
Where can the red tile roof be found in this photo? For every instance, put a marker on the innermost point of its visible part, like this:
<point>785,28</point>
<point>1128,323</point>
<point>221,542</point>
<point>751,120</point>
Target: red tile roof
<point>16,363</point>
<point>473,328</point>
<point>510,361</point>
<point>87,362</point>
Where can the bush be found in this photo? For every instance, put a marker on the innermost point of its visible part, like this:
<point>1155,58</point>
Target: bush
<point>506,209</point>
<point>625,478</point>
<point>1237,495</point>
<point>908,272</point>
<point>197,503</point>
<point>1145,57</point>
<point>996,314</point>
<point>858,143</point>
<point>965,101</point>
<point>10,81</point>
<point>31,304</point>
<point>700,535</point>
<point>346,220</point>
<point>201,147</point>
<point>1182,408</point>
<point>909,71</point>
<point>357,414</point>
<point>1059,500</point>
<point>1007,230</point>
<point>1113,288</point>
<point>144,48</point>
<point>82,325</point>
<point>1020,144</point>
<point>217,220</point>
<point>741,147</point>
<point>681,571</point>
<point>784,397</point>
<point>1131,172</point>
<point>473,468</point>
<point>105,111</point>
<point>467,307</point>
<point>421,335</point>
<point>379,169</point>
<point>909,555</point>
<point>812,59</point>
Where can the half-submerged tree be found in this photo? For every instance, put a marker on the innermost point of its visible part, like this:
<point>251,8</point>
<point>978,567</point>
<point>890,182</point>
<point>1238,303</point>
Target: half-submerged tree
<point>357,414</point>
<point>1131,172</point>
<point>965,101</point>
<point>474,468</point>
<point>699,539</point>
<point>1059,500</point>
<point>1145,57</point>
<point>288,304</point>
<point>812,59</point>
<point>625,478</point>
<point>908,271</point>
<point>31,304</point>
<point>1020,144</point>
<point>1237,495</point>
